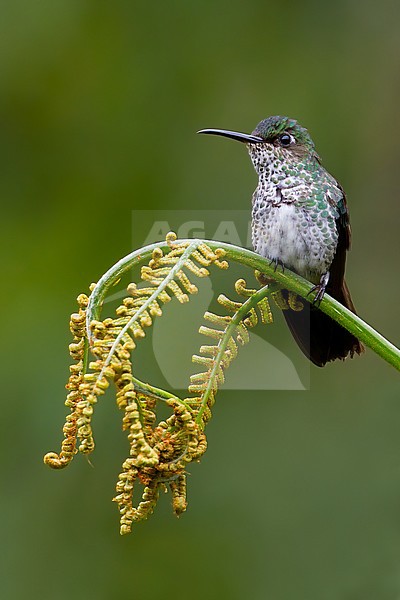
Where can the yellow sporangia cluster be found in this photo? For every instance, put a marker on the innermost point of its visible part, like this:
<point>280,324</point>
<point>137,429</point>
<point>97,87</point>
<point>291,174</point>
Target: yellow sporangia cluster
<point>159,452</point>
<point>75,426</point>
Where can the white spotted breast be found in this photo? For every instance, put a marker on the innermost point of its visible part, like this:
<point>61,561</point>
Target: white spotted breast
<point>295,235</point>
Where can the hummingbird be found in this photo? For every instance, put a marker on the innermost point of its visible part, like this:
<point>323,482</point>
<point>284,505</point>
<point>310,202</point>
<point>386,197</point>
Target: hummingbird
<point>300,221</point>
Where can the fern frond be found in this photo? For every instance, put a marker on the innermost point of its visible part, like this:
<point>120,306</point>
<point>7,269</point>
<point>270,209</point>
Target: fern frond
<point>230,331</point>
<point>78,413</point>
<point>158,453</point>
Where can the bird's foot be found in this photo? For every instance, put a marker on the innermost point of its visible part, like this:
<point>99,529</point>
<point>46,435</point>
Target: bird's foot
<point>277,263</point>
<point>320,292</point>
<point>320,289</point>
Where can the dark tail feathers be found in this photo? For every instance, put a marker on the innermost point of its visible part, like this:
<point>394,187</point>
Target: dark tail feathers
<point>320,337</point>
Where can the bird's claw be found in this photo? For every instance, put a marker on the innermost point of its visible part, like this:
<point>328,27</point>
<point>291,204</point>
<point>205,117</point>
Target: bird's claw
<point>320,292</point>
<point>320,289</point>
<point>277,262</point>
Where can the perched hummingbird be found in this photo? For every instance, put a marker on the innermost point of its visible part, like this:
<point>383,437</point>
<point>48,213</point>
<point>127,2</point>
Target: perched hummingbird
<point>300,221</point>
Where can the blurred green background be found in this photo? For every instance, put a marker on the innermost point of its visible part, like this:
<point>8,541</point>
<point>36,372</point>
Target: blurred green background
<point>99,102</point>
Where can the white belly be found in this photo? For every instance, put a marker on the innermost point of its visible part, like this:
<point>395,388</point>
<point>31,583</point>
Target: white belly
<point>288,234</point>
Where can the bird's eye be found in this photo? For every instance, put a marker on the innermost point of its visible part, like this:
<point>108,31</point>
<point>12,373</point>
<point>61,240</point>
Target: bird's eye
<point>285,139</point>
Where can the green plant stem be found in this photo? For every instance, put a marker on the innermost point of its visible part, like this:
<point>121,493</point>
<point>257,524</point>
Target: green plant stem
<point>287,279</point>
<point>159,394</point>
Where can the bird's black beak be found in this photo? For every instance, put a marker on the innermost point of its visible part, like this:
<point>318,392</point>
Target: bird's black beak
<point>234,135</point>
